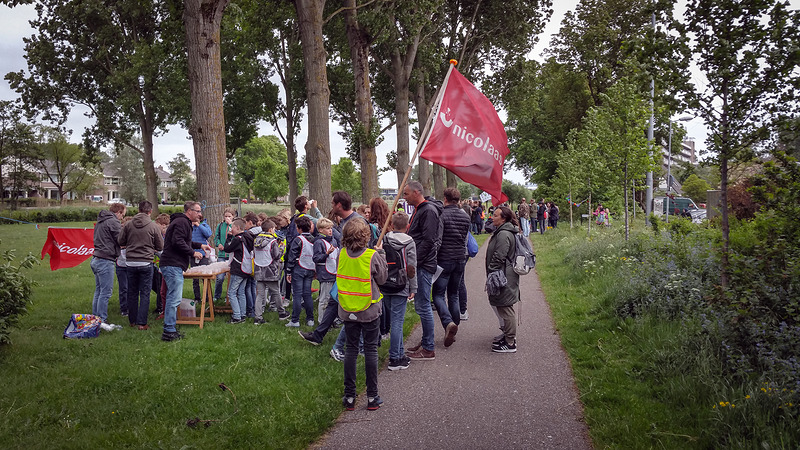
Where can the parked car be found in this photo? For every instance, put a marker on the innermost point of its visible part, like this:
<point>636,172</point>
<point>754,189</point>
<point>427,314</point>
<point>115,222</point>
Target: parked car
<point>698,215</point>
<point>660,205</point>
<point>119,200</point>
<point>97,198</point>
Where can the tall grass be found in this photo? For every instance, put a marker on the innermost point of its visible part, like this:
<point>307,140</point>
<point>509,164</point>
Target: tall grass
<point>128,389</point>
<point>636,320</point>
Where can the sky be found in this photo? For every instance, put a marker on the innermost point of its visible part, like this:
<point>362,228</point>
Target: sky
<point>14,27</point>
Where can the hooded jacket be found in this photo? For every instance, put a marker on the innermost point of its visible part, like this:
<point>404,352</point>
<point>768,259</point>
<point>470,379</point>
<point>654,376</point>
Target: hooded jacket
<point>268,242</point>
<point>141,238</point>
<point>378,273</point>
<point>106,233</point>
<point>455,226</point>
<point>178,245</point>
<point>498,257</point>
<point>425,228</point>
<point>321,257</point>
<point>234,246</point>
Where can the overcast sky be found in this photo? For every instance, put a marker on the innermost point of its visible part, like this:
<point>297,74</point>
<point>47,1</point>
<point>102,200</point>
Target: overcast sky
<point>14,26</point>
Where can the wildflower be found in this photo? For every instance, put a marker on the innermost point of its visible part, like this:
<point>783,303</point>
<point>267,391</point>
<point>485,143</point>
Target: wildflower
<point>746,396</point>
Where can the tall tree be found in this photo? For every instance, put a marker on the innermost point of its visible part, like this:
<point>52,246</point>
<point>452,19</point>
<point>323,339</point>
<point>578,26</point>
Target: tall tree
<point>16,151</point>
<point>11,126</point>
<point>269,174</point>
<point>65,165</point>
<point>202,20</point>
<point>180,172</point>
<point>124,163</point>
<point>318,149</point>
<point>748,52</point>
<point>121,60</point>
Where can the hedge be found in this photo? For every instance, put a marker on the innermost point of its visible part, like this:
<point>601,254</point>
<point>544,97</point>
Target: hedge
<point>66,214</point>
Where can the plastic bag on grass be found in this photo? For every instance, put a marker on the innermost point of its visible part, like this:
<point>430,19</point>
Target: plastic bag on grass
<point>82,326</point>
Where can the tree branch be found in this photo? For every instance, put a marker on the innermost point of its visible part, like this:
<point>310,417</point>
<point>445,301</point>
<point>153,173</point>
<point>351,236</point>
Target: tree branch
<point>346,8</point>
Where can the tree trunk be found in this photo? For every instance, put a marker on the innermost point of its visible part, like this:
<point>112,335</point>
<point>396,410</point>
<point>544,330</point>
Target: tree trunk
<point>401,125</point>
<point>451,179</point>
<point>148,162</point>
<point>421,104</point>
<point>359,56</point>
<point>202,20</point>
<point>625,188</point>
<point>438,181</point>
<point>318,148</point>
<point>725,225</point>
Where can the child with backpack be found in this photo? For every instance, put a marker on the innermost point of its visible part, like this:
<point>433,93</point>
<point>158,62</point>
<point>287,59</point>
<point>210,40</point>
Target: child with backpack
<point>300,271</point>
<point>400,285</point>
<point>326,256</point>
<point>239,245</point>
<point>267,258</point>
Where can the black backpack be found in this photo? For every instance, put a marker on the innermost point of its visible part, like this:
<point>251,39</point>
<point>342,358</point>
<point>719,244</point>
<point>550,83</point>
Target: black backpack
<point>397,279</point>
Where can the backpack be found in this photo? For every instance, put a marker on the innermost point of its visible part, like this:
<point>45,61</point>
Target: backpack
<point>524,258</point>
<point>398,278</point>
<point>472,245</point>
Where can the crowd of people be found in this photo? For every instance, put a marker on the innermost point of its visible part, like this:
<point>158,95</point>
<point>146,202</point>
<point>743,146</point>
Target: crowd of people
<point>365,282</point>
<point>532,217</point>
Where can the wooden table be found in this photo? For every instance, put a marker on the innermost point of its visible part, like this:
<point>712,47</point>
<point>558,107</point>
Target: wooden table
<point>208,296</point>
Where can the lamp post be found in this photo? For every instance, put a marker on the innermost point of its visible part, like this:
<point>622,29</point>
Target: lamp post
<point>669,159</point>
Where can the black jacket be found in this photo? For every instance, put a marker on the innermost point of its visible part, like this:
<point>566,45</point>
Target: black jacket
<point>178,245</point>
<point>426,230</point>
<point>234,246</point>
<point>455,226</point>
<point>540,212</point>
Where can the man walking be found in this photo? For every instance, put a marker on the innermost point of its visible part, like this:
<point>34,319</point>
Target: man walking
<point>426,230</point>
<point>524,217</point>
<point>178,250</point>
<point>452,257</point>
<point>141,238</point>
<point>106,252</point>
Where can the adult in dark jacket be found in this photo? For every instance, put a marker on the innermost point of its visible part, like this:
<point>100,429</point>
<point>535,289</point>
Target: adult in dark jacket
<point>477,220</point>
<point>452,257</point>
<point>553,215</point>
<point>178,250</point>
<point>540,216</point>
<point>141,238</point>
<point>106,251</point>
<point>426,230</point>
<point>498,256</point>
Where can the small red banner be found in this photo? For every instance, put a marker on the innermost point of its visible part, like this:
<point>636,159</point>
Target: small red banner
<point>68,247</point>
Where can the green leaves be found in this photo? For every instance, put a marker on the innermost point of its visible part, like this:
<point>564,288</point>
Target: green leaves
<point>15,291</point>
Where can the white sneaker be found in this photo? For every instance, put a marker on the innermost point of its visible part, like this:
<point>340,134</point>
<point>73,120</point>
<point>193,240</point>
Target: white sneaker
<point>293,324</point>
<point>465,315</point>
<point>310,323</point>
<point>337,355</point>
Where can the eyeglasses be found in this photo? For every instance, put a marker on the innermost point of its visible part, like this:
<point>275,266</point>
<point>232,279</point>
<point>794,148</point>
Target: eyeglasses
<point>197,210</point>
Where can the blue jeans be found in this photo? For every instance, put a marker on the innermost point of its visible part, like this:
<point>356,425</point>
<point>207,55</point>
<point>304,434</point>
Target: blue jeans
<point>220,280</point>
<point>103,286</point>
<point>122,284</point>
<point>422,305</point>
<point>140,281</point>
<point>173,277</point>
<point>237,289</point>
<point>447,284</point>
<point>542,226</point>
<point>301,293</point>
<point>526,226</point>
<point>396,306</point>
<point>250,297</point>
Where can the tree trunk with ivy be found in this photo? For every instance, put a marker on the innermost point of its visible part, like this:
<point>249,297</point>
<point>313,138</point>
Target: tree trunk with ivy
<point>202,19</point>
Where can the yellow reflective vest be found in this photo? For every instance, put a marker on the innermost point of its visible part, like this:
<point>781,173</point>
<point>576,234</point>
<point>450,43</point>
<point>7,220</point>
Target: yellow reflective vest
<point>354,281</point>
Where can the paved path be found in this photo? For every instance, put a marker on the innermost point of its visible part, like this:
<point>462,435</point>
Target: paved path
<point>470,397</point>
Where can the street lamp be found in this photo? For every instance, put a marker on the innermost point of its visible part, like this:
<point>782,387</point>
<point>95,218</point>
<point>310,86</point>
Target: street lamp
<point>669,159</point>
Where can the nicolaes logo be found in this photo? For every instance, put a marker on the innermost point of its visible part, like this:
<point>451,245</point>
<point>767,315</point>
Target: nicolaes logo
<point>480,142</point>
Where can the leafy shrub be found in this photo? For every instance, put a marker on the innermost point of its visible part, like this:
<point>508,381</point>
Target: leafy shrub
<point>15,291</point>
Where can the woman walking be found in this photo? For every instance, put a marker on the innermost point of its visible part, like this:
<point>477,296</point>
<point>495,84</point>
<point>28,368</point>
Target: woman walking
<point>502,283</point>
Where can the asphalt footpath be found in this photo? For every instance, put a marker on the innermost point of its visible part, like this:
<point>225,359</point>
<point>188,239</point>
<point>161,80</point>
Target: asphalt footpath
<point>470,397</point>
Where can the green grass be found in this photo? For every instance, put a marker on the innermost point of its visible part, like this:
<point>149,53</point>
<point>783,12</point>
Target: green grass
<point>629,401</point>
<point>127,388</point>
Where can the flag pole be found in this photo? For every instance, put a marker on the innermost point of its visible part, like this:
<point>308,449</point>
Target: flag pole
<point>420,143</point>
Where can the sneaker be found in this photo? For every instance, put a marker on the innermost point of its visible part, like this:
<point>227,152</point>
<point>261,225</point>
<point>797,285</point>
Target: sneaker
<point>349,403</point>
<point>465,315</point>
<point>499,338</point>
<point>338,355</point>
<point>293,324</point>
<point>374,403</point>
<point>450,334</point>
<point>386,337</point>
<point>504,347</point>
<point>284,316</point>
<point>169,336</point>
<point>414,348</point>
<point>337,322</point>
<point>422,355</point>
<point>259,321</point>
<point>308,337</point>
<point>124,314</point>
<point>399,364</point>
<point>310,322</point>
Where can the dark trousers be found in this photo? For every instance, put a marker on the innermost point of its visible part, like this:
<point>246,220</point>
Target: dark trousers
<point>301,287</point>
<point>462,296</point>
<point>122,283</point>
<point>156,287</point>
<point>542,226</point>
<point>140,282</point>
<point>326,321</point>
<point>371,334</point>
<point>196,282</point>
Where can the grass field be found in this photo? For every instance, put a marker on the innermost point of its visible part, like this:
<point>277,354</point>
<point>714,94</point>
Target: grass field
<point>128,389</point>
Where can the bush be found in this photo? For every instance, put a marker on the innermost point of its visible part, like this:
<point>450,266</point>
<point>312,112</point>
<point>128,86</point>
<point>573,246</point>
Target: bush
<point>15,292</point>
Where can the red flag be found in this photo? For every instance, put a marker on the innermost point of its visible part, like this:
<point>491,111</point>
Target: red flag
<point>68,247</point>
<point>468,138</point>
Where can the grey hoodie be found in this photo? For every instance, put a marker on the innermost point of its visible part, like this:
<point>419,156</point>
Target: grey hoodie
<point>106,232</point>
<point>398,241</point>
<point>141,238</point>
